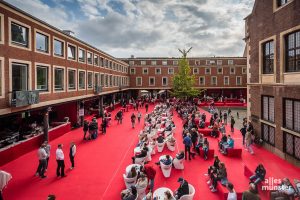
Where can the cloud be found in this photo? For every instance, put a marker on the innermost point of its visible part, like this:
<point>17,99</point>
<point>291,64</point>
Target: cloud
<point>150,27</point>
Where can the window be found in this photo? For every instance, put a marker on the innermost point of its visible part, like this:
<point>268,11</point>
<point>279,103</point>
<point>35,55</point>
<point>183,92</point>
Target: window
<point>59,75</point>
<point>131,63</point>
<point>151,81</point>
<point>96,79</point>
<point>291,119</point>
<point>1,29</point>
<point>268,113</point>
<point>232,70</point>
<point>157,71</point>
<point>145,70</point>
<point>132,70</point>
<point>170,70</point>
<point>165,81</point>
<point>138,81</point>
<point>291,145</point>
<point>19,77</point>
<point>106,80</point>
<point>110,80</point>
<point>175,62</point>
<point>202,80</point>
<point>58,48</point>
<point>293,52</point>
<point>153,62</point>
<point>1,77</point>
<point>238,80</point>
<point>268,134</point>
<point>220,70</point>
<point>197,62</point>
<point>81,79</point>
<point>19,35</point>
<point>214,80</point>
<point>230,62</point>
<point>41,42</point>
<point>164,62</point>
<point>244,70</point>
<point>42,78</point>
<point>143,62</point>
<point>71,52</point>
<point>226,80</point>
<point>71,79</point>
<point>282,2</point>
<point>89,58</point>
<point>101,62</point>
<point>90,79</point>
<point>195,71</point>
<point>207,70</point>
<point>268,57</point>
<point>219,62</point>
<point>96,60</point>
<point>102,81</point>
<point>81,55</point>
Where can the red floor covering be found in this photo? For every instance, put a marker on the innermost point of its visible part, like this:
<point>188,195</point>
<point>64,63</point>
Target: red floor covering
<point>99,166</point>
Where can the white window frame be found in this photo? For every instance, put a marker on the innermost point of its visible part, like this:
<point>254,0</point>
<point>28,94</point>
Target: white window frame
<point>218,70</point>
<point>76,77</point>
<point>2,29</point>
<point>87,80</point>
<point>95,79</point>
<point>171,69</point>
<point>53,79</point>
<point>85,75</point>
<point>36,65</point>
<point>150,81</point>
<point>159,70</point>
<point>87,52</point>
<point>49,42</point>
<point>164,62</point>
<point>203,80</point>
<point>79,48</point>
<point>96,64</point>
<point>219,62</point>
<point>29,78</point>
<point>236,80</point>
<point>153,62</point>
<point>207,62</point>
<point>11,20</point>
<point>136,81</point>
<point>143,62</point>
<point>229,62</point>
<point>162,81</point>
<point>147,70</point>
<point>211,81</point>
<point>2,94</point>
<point>133,71</point>
<point>244,68</point>
<point>228,80</point>
<point>64,48</point>
<point>230,70</point>
<point>197,70</point>
<point>175,62</point>
<point>209,70</point>
<point>71,44</point>
<point>131,62</point>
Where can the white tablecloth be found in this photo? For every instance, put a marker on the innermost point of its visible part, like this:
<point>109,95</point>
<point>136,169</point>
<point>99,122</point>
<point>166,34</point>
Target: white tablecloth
<point>159,193</point>
<point>137,167</point>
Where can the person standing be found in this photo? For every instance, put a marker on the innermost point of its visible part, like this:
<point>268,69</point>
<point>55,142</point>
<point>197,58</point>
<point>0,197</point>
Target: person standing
<point>248,142</point>
<point>147,106</point>
<point>150,173</point>
<point>47,149</point>
<point>187,146</point>
<point>42,155</point>
<point>225,117</point>
<point>232,122</point>
<point>139,116</point>
<point>72,154</point>
<point>60,159</point>
<point>229,111</point>
<point>103,125</point>
<point>120,116</point>
<point>4,179</point>
<point>85,128</point>
<point>133,117</point>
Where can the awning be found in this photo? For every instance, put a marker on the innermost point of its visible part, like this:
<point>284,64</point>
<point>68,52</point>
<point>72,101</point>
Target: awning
<point>161,91</point>
<point>144,91</point>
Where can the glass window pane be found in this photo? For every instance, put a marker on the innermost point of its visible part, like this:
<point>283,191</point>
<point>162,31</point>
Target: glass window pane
<point>71,78</point>
<point>58,48</point>
<point>271,109</point>
<point>297,116</point>
<point>71,52</point>
<point>19,34</point>
<point>289,144</point>
<point>41,42</point>
<point>19,77</point>
<point>297,147</point>
<point>289,114</point>
<point>42,78</point>
<point>59,79</point>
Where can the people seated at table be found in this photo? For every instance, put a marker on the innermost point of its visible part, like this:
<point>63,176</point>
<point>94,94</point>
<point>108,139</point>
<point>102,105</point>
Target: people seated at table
<point>132,173</point>
<point>218,175</point>
<point>140,155</point>
<point>142,182</point>
<point>260,173</point>
<point>231,192</point>
<point>227,145</point>
<point>166,161</point>
<point>285,191</point>
<point>183,188</point>
<point>168,196</point>
<point>129,194</point>
<point>205,148</point>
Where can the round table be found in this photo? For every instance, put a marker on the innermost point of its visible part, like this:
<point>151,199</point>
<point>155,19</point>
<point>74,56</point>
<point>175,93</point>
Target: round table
<point>137,167</point>
<point>164,157</point>
<point>137,150</point>
<point>159,193</point>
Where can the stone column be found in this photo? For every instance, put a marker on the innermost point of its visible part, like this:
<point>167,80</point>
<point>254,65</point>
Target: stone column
<point>46,124</point>
<point>100,106</point>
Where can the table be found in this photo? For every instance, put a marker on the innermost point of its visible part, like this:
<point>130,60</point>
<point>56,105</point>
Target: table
<point>137,167</point>
<point>159,193</point>
<point>164,156</point>
<point>137,150</point>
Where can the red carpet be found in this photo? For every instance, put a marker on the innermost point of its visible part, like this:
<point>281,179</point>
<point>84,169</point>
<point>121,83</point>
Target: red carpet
<point>99,165</point>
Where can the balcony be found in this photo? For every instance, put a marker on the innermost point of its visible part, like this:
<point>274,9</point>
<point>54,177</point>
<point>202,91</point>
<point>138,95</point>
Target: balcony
<point>24,98</point>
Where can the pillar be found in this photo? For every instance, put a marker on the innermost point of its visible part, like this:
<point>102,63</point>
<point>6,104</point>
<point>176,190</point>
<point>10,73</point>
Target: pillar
<point>46,124</point>
<point>100,106</point>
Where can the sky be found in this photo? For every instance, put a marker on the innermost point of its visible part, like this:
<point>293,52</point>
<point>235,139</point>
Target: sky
<point>149,28</point>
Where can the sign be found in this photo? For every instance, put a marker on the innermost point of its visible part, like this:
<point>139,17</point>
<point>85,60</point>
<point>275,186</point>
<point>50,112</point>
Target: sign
<point>81,112</point>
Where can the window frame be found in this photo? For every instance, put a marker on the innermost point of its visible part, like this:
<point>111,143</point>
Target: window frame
<point>266,56</point>
<point>146,69</point>
<point>172,70</point>
<point>197,70</point>
<point>75,79</point>
<point>262,109</point>
<point>151,77</point>
<point>64,81</point>
<point>209,70</point>
<point>241,80</point>
<point>143,62</point>
<point>159,70</point>
<point>2,33</point>
<point>2,92</point>
<point>262,134</point>
<point>228,80</point>
<point>136,81</point>
<point>219,62</point>
<point>96,56</point>
<point>230,72</point>
<point>11,43</point>
<point>84,54</point>
<point>29,78</point>
<point>211,80</point>
<point>200,80</point>
<point>293,114</point>
<point>175,62</point>
<point>92,58</point>
<point>153,62</point>
<point>162,81</point>
<point>132,72</point>
<point>218,70</point>
<point>286,52</point>
<point>164,62</point>
<point>63,45</point>
<point>87,80</point>
<point>49,43</point>
<point>229,62</point>
<point>48,77</point>
<point>75,46</point>
<point>294,146</point>
<point>244,68</point>
<point>85,74</point>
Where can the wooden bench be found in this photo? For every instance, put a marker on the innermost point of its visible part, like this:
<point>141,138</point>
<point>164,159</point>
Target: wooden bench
<point>234,152</point>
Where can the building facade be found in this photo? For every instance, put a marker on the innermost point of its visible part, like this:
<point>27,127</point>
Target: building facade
<point>273,53</point>
<point>225,76</point>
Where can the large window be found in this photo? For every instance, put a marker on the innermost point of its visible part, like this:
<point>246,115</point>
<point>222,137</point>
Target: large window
<point>165,81</point>
<point>102,77</point>
<point>96,79</point>
<point>282,2</point>
<point>291,114</point>
<point>293,52</point>
<point>19,35</point>
<point>220,70</point>
<point>81,55</point>
<point>175,62</point>
<point>291,145</point>
<point>19,77</point>
<point>207,70</point>
<point>268,57</point>
<point>268,134</point>
<point>89,58</point>
<point>226,80</point>
<point>170,70</point>
<point>232,70</point>
<point>268,108</point>
<point>195,71</point>
<point>230,62</point>
<point>96,60</point>
<point>238,80</point>
<point>41,42</point>
<point>145,70</point>
<point>71,52</point>
<point>81,80</point>
<point>219,62</point>
<point>59,79</point>
<point>90,79</point>
<point>143,62</point>
<point>157,71</point>
<point>214,80</point>
<point>164,62</point>
<point>132,70</point>
<point>153,62</point>
<point>202,80</point>
<point>139,81</point>
<point>42,78</point>
<point>151,81</point>
<point>58,48</point>
<point>71,79</point>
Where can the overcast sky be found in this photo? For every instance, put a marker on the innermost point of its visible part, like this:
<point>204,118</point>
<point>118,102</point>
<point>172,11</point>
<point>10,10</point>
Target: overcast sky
<point>149,28</point>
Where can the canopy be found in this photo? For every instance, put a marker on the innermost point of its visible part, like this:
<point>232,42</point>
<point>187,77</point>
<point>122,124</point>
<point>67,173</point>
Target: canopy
<point>144,91</point>
<point>161,91</point>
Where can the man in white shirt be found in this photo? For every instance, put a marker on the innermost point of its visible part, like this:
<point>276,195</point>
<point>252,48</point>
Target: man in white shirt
<point>60,158</point>
<point>72,154</point>
<point>42,155</point>
<point>231,194</point>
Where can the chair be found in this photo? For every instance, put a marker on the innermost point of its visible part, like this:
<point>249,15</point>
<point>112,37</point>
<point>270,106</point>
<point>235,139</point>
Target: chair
<point>166,169</point>
<point>141,193</point>
<point>140,161</point>
<point>171,146</point>
<point>178,164</point>
<point>191,194</point>
<point>160,146</point>
<point>129,181</point>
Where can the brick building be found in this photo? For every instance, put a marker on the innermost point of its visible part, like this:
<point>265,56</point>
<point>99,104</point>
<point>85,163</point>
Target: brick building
<point>218,75</point>
<point>273,54</point>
